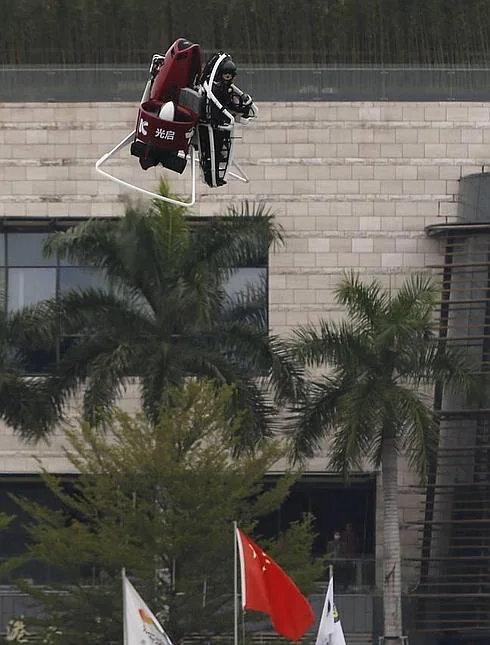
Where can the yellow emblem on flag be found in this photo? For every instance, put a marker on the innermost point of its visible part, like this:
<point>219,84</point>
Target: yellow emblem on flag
<point>145,617</point>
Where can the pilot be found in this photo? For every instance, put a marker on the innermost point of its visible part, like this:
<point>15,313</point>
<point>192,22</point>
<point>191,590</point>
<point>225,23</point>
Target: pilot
<point>226,92</point>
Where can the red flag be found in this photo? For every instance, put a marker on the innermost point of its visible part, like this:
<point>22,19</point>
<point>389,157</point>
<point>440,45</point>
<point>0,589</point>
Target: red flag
<point>267,588</point>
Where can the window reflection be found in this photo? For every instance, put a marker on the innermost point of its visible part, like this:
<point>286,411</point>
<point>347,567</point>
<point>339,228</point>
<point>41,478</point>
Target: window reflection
<point>26,250</point>
<point>28,278</point>
<point>245,277</point>
<point>81,278</point>
<point>28,286</point>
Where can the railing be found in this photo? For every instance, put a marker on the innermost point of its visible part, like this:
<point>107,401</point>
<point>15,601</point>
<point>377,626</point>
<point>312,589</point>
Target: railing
<point>352,575</point>
<point>360,614</point>
<point>286,83</point>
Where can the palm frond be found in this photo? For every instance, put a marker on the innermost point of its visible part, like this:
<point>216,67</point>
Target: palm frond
<point>87,244</point>
<point>29,406</point>
<point>416,298</point>
<point>196,300</point>
<point>330,343</point>
<point>419,434</point>
<point>248,348</point>
<point>450,367</point>
<point>74,369</point>
<point>106,381</point>
<point>258,417</point>
<point>33,327</point>
<point>314,417</point>
<point>249,400</point>
<point>286,380</point>
<point>358,423</point>
<point>242,239</point>
<point>89,309</point>
<point>364,303</point>
<point>167,210</point>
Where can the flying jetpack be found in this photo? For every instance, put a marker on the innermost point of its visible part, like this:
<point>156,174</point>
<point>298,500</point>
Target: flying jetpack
<point>186,117</point>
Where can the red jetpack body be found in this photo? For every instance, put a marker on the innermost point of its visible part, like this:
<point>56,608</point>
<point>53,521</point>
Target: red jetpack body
<point>169,108</point>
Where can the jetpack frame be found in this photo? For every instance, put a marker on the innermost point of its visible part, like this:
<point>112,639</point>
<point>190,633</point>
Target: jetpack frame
<point>181,120</point>
<point>149,125</point>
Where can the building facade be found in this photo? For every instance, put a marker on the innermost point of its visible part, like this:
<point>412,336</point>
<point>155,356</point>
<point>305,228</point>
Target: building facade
<point>354,184</point>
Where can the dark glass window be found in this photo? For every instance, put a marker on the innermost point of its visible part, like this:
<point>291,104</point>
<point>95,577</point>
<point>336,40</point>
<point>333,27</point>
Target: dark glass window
<point>14,540</point>
<point>80,278</point>
<point>26,250</point>
<point>2,249</point>
<point>245,277</point>
<point>26,286</point>
<point>332,505</point>
<point>2,284</point>
<point>29,277</point>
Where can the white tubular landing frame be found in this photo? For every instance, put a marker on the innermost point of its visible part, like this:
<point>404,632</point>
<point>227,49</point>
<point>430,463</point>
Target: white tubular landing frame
<point>239,174</point>
<point>148,193</point>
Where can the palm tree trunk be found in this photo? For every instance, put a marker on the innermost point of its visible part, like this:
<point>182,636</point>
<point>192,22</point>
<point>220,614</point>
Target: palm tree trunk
<point>392,554</point>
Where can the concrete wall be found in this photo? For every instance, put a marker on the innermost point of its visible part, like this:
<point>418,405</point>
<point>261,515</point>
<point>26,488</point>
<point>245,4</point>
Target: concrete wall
<point>353,184</point>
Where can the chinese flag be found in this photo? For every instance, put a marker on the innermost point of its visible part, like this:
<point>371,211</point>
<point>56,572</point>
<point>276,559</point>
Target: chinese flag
<point>266,588</point>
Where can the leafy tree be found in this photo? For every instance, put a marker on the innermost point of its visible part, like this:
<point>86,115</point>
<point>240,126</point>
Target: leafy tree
<point>27,403</point>
<point>159,500</point>
<point>4,521</point>
<point>313,32</point>
<point>166,315</point>
<point>372,401</point>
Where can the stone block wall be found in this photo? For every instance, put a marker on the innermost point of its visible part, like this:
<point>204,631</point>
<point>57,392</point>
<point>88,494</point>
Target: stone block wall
<point>353,184</point>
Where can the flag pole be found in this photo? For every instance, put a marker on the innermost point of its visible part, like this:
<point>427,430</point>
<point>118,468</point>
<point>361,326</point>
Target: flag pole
<point>235,581</point>
<point>125,617</point>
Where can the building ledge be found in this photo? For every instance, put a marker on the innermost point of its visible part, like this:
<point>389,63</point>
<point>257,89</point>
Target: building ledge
<point>457,228</point>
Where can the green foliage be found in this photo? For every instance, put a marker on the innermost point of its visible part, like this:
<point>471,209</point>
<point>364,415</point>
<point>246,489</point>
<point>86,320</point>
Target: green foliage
<point>4,521</point>
<point>381,362</point>
<point>166,316</point>
<point>293,550</point>
<point>158,500</point>
<point>26,404</point>
<point>317,31</point>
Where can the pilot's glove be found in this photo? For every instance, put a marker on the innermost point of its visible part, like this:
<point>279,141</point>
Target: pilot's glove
<point>156,63</point>
<point>246,105</point>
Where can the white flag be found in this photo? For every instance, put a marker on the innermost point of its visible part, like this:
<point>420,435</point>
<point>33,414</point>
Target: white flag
<point>330,631</point>
<point>141,627</point>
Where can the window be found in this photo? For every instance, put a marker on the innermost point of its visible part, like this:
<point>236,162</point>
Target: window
<point>246,277</point>
<point>26,286</point>
<point>80,278</point>
<point>255,280</point>
<point>28,277</point>
<point>26,249</point>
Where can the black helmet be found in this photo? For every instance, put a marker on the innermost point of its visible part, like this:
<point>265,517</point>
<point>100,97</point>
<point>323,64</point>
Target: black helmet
<point>228,67</point>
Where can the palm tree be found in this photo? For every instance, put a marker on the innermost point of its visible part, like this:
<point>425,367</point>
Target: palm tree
<point>166,314</point>
<point>27,404</point>
<point>370,402</point>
